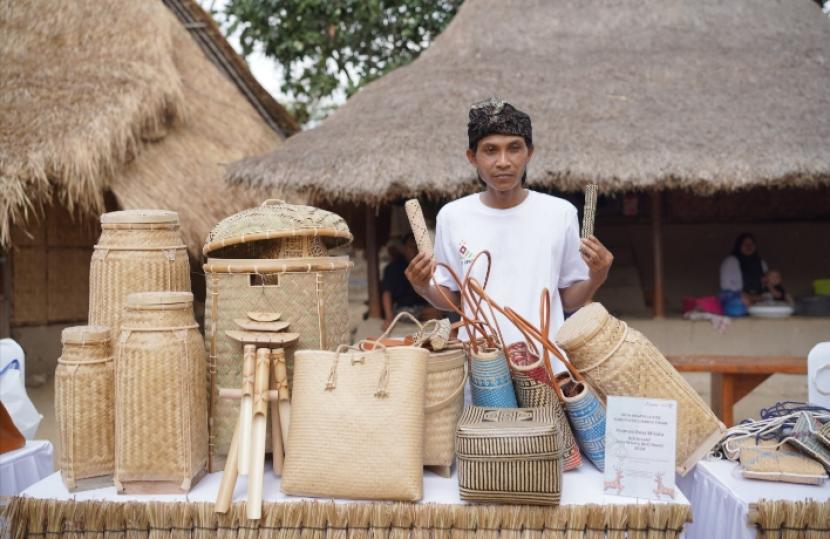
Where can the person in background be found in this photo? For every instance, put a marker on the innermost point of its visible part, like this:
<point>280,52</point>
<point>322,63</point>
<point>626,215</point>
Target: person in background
<point>745,275</point>
<point>397,293</point>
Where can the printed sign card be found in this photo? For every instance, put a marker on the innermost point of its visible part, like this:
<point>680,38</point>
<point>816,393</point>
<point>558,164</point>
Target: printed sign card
<point>640,440</point>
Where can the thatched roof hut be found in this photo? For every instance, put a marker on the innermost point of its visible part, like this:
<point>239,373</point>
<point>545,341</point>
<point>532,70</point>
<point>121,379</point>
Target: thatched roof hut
<point>143,99</point>
<point>632,94</point>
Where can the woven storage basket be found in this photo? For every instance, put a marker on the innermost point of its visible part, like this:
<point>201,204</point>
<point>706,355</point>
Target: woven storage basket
<point>509,455</point>
<point>138,251</point>
<point>160,395</point>
<point>618,360</point>
<point>446,377</point>
<point>85,406</point>
<point>288,272</point>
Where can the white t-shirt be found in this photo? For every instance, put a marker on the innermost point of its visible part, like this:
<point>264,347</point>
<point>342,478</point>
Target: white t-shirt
<point>534,245</point>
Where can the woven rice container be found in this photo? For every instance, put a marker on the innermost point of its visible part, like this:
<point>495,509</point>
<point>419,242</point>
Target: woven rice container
<point>509,455</point>
<point>618,360</point>
<point>446,377</point>
<point>161,434</point>
<point>273,259</point>
<point>138,251</point>
<point>85,405</point>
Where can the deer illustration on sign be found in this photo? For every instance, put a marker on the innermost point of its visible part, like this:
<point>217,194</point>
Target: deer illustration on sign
<point>659,489</point>
<point>616,484</point>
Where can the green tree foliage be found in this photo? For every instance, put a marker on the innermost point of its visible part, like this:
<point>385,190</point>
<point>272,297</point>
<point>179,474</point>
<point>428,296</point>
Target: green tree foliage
<point>328,45</point>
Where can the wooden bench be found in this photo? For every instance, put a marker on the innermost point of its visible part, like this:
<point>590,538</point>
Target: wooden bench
<point>733,377</point>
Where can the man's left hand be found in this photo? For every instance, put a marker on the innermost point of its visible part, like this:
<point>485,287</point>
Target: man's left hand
<point>597,257</point>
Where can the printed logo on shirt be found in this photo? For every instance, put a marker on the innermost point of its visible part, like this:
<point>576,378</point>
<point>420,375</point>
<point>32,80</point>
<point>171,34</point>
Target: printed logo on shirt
<point>465,252</point>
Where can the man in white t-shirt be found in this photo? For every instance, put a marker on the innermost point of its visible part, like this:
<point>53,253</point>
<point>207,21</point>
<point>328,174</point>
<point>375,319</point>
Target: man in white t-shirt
<point>533,237</point>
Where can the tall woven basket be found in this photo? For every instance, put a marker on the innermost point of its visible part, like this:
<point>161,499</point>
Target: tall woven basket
<point>138,251</point>
<point>446,377</point>
<point>618,360</point>
<point>161,435</point>
<point>84,407</point>
<point>271,259</point>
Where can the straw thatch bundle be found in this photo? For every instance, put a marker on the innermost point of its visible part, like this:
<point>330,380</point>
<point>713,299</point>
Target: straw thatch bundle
<point>631,94</point>
<point>141,98</point>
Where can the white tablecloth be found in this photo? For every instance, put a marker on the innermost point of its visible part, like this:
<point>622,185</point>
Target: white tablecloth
<point>720,498</point>
<point>25,466</point>
<point>579,487</point>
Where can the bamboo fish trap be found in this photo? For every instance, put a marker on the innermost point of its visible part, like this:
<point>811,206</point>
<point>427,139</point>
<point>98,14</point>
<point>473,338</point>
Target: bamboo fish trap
<point>271,262</point>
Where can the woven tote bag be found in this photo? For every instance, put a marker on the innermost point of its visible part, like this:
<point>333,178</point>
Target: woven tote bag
<point>586,413</point>
<point>357,424</point>
<point>509,456</point>
<point>824,435</point>
<point>618,360</point>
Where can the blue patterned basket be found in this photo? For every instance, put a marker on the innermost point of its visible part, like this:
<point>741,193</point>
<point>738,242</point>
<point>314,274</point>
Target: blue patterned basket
<point>490,380</point>
<point>587,417</point>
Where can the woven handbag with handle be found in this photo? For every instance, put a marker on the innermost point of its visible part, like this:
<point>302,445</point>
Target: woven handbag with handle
<point>585,411</point>
<point>357,424</point>
<point>509,455</point>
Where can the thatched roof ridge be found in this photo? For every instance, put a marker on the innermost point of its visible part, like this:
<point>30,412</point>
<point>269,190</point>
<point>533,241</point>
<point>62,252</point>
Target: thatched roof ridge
<point>633,94</point>
<point>100,95</point>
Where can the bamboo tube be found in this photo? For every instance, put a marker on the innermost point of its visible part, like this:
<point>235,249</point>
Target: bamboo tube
<point>257,469</point>
<point>284,395</point>
<point>277,440</point>
<point>231,393</point>
<point>590,212</point>
<point>246,408</point>
<point>419,226</point>
<point>225,496</point>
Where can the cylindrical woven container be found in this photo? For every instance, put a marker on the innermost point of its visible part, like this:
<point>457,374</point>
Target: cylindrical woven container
<point>138,251</point>
<point>618,360</point>
<point>84,404</point>
<point>273,258</point>
<point>533,394</point>
<point>490,380</point>
<point>446,376</point>
<point>161,435</point>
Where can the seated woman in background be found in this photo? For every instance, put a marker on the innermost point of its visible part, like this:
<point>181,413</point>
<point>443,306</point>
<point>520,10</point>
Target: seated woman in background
<point>397,292</point>
<point>745,274</point>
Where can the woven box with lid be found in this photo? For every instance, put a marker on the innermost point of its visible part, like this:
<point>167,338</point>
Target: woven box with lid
<point>84,406</point>
<point>618,360</point>
<point>272,260</point>
<point>509,455</point>
<point>138,251</point>
<point>161,434</point>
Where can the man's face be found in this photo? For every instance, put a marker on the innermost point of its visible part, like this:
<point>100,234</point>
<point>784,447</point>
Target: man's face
<point>501,160</point>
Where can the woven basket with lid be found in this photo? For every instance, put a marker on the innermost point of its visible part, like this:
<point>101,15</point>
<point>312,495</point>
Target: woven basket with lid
<point>618,360</point>
<point>138,251</point>
<point>273,258</point>
<point>84,404</point>
<point>161,430</point>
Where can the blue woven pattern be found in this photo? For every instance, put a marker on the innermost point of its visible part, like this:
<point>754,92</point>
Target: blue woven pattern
<point>491,383</point>
<point>587,416</point>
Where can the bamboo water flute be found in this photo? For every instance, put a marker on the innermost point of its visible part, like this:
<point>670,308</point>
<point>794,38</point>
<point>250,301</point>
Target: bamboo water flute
<point>262,353</point>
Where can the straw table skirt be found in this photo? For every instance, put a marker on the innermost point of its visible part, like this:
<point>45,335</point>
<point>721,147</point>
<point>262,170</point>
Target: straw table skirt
<point>45,513</point>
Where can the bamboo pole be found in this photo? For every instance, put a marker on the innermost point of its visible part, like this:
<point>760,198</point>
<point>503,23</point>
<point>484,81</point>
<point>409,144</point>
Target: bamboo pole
<point>657,244</point>
<point>225,496</point>
<point>246,408</point>
<point>257,468</point>
<point>284,395</point>
<point>278,440</point>
<point>372,264</point>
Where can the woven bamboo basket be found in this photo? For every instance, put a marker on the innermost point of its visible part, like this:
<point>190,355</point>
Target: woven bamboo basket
<point>272,258</point>
<point>446,377</point>
<point>161,435</point>
<point>138,251</point>
<point>509,455</point>
<point>618,360</point>
<point>84,407</point>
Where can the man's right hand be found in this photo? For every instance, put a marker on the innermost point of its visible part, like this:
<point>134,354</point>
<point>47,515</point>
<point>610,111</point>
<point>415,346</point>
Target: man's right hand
<point>419,271</point>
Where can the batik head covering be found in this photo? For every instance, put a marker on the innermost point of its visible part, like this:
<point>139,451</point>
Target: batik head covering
<point>496,117</point>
